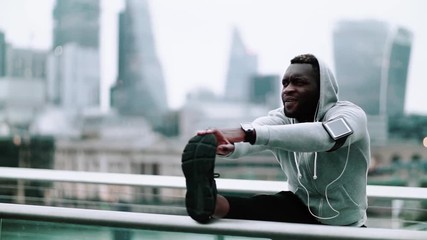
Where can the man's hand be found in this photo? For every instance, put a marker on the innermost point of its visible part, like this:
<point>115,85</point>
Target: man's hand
<point>224,145</point>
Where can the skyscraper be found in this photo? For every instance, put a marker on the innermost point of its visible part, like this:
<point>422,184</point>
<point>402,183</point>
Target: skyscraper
<point>140,89</point>
<point>74,64</point>
<point>2,54</point>
<point>22,85</point>
<point>265,90</point>
<point>399,51</point>
<point>77,69</point>
<point>26,63</point>
<point>241,68</point>
<point>371,62</point>
<point>76,21</point>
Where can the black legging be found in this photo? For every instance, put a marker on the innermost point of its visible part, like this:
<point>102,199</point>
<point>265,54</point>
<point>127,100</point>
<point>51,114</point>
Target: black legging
<point>280,207</point>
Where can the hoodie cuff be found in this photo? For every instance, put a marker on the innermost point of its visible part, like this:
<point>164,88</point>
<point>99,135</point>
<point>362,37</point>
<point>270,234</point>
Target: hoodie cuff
<point>262,135</point>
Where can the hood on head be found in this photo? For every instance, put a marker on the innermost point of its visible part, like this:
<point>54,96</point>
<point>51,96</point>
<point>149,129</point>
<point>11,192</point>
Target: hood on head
<point>328,90</point>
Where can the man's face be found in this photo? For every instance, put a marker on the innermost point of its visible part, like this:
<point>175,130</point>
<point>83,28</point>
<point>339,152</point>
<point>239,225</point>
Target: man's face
<point>300,92</point>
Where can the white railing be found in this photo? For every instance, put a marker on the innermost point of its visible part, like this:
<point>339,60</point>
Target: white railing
<point>228,227</point>
<point>233,185</point>
<point>167,222</point>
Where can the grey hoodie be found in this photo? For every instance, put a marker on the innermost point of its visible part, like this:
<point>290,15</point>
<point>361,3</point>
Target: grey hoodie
<point>332,184</point>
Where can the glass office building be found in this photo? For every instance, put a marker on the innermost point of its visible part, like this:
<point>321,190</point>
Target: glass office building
<point>371,64</point>
<point>140,89</point>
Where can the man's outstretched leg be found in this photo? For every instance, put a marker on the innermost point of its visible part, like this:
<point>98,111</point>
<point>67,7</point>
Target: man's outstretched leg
<point>198,162</point>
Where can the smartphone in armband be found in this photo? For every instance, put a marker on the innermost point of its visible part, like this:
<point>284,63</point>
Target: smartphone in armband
<point>338,129</point>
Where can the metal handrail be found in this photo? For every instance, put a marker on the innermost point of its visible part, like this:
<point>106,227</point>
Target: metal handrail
<point>171,223</point>
<point>228,185</point>
<point>176,223</point>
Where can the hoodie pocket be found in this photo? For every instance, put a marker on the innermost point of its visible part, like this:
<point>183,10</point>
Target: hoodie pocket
<point>337,206</point>
<point>346,196</point>
<point>337,202</point>
<point>341,198</point>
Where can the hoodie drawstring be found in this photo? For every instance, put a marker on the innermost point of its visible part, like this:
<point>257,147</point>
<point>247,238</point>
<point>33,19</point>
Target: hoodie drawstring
<point>297,165</point>
<point>315,153</point>
<point>315,166</point>
<point>297,160</point>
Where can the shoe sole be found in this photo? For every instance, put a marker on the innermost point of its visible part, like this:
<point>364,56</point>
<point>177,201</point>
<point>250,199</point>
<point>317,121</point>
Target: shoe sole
<point>198,161</point>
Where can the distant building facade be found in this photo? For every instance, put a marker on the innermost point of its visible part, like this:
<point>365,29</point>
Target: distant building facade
<point>371,62</point>
<point>242,66</point>
<point>399,51</point>
<point>2,54</point>
<point>201,112</point>
<point>23,92</point>
<point>21,99</point>
<point>140,88</point>
<point>76,21</point>
<point>26,63</point>
<point>74,77</point>
<point>74,64</point>
<point>265,90</point>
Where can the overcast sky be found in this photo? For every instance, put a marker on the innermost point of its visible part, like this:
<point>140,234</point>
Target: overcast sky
<point>193,36</point>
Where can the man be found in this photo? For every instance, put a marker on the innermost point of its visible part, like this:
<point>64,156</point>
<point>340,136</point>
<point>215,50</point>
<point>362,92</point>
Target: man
<point>322,145</point>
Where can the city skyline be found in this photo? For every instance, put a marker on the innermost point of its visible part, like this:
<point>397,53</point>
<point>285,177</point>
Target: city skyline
<point>193,37</point>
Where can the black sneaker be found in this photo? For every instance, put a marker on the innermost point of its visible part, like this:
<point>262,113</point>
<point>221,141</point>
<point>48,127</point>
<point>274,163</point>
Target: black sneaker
<point>198,161</point>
